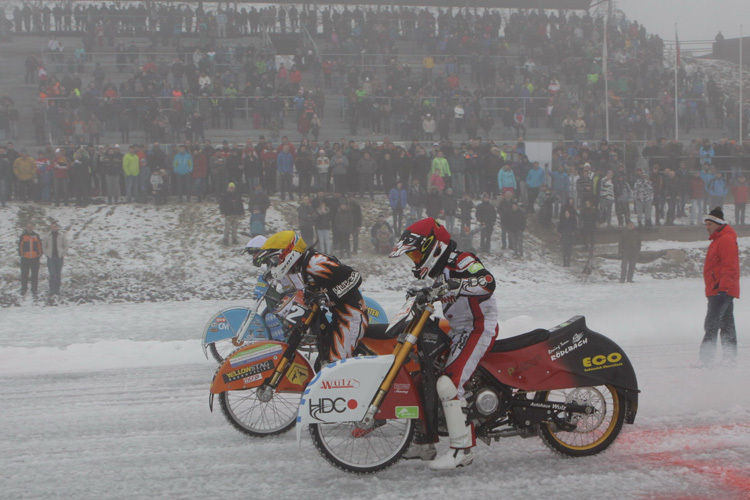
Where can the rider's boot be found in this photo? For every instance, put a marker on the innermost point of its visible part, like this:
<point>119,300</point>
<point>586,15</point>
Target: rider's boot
<point>459,431</point>
<point>421,451</point>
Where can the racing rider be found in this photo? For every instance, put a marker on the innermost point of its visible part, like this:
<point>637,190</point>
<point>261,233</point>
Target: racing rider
<point>471,311</point>
<point>286,253</point>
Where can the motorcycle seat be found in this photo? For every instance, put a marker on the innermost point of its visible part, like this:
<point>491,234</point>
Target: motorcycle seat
<point>521,341</point>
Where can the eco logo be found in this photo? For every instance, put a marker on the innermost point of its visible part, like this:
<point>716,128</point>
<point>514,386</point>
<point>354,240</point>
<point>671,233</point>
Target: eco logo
<point>407,412</point>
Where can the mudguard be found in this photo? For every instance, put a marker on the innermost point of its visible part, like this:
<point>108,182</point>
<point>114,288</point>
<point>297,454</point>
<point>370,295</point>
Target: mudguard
<point>569,355</point>
<point>226,324</point>
<point>343,390</point>
<point>250,365</point>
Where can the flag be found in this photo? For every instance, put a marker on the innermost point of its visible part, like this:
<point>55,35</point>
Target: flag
<point>677,59</point>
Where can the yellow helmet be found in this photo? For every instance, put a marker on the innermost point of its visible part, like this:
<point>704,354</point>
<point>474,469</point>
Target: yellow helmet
<point>281,251</point>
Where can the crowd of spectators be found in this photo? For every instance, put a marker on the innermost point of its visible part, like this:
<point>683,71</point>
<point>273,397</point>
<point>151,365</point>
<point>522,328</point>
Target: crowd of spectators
<point>489,74</point>
<point>473,186</point>
<point>477,76</point>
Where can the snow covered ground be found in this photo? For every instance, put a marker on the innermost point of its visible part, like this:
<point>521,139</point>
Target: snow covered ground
<point>111,401</point>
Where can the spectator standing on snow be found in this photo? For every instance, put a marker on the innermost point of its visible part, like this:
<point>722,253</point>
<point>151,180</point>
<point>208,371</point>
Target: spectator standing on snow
<point>306,215</point>
<point>398,199</point>
<point>55,248</point>
<point>721,274</point>
<point>183,167</point>
<point>30,251</point>
<point>740,195</point>
<point>486,215</point>
<point>233,210</point>
<point>567,227</point>
<point>628,249</point>
<point>516,226</point>
<point>589,218</point>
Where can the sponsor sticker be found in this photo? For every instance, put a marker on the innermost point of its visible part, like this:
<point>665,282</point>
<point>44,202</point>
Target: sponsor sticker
<point>465,262</point>
<point>567,350</point>
<point>345,286</point>
<point>407,412</point>
<point>254,354</point>
<point>347,383</point>
<point>325,406</point>
<point>401,388</point>
<point>252,378</point>
<point>475,267</point>
<point>247,371</point>
<point>297,374</point>
<point>601,362</point>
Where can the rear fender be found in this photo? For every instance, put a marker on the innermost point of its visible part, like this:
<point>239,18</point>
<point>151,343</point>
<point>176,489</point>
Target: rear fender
<point>227,323</point>
<point>570,357</point>
<point>250,365</point>
<point>343,390</point>
<point>375,313</point>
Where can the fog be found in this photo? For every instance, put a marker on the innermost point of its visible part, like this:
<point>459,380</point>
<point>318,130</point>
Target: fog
<point>696,20</point>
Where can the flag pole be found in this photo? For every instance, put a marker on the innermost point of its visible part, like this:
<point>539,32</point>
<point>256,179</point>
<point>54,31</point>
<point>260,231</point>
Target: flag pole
<point>676,95</point>
<point>605,67</point>
<point>741,107</point>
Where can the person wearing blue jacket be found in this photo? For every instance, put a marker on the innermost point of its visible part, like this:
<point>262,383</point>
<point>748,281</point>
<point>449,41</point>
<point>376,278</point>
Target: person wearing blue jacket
<point>398,199</point>
<point>183,167</point>
<point>285,168</point>
<point>717,189</point>
<point>506,179</point>
<point>534,180</point>
<point>560,188</point>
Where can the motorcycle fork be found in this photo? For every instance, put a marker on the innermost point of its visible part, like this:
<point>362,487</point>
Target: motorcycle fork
<point>288,356</point>
<point>403,348</point>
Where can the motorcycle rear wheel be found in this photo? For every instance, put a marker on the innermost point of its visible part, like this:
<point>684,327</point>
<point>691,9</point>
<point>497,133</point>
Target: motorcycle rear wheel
<point>594,433</point>
<point>352,449</point>
<point>222,348</point>
<point>253,417</point>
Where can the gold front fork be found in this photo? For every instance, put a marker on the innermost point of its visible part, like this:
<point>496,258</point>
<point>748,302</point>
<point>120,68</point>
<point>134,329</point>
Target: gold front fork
<point>284,362</point>
<point>401,352</point>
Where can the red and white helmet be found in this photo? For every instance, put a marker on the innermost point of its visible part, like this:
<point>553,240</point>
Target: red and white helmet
<point>425,242</point>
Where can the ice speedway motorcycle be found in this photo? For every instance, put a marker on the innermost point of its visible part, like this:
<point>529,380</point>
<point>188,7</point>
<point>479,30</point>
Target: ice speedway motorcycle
<point>235,326</point>
<point>571,386</point>
<point>260,384</point>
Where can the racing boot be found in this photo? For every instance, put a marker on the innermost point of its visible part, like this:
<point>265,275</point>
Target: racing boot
<point>459,431</point>
<point>421,451</point>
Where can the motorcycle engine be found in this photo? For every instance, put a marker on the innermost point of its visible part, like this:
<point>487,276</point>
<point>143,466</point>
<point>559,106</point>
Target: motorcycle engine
<point>486,401</point>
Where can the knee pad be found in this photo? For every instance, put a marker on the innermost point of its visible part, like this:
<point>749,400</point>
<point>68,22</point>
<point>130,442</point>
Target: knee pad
<point>446,389</point>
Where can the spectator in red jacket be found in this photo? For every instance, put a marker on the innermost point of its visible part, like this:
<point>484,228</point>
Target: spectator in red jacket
<point>721,274</point>
<point>200,172</point>
<point>740,193</point>
<point>60,171</point>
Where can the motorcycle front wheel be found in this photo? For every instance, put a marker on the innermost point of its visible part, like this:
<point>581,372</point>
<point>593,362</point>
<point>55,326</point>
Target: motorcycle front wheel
<point>352,448</point>
<point>251,416</point>
<point>594,432</point>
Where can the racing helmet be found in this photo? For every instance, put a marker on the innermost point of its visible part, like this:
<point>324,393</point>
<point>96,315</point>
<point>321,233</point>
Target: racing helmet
<point>253,248</point>
<point>425,242</point>
<point>281,252</point>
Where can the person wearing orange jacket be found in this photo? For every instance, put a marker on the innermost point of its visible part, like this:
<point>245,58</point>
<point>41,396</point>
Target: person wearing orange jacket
<point>30,251</point>
<point>721,274</point>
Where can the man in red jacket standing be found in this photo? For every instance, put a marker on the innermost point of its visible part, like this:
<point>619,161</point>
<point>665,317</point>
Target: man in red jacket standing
<point>721,273</point>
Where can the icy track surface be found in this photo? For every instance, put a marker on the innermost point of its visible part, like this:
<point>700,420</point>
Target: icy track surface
<point>111,401</point>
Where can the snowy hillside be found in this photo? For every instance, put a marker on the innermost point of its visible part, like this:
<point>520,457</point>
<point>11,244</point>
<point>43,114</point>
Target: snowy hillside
<point>145,253</point>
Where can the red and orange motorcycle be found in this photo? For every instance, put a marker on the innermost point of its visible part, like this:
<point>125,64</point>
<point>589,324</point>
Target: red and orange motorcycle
<point>571,386</point>
<point>260,384</point>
